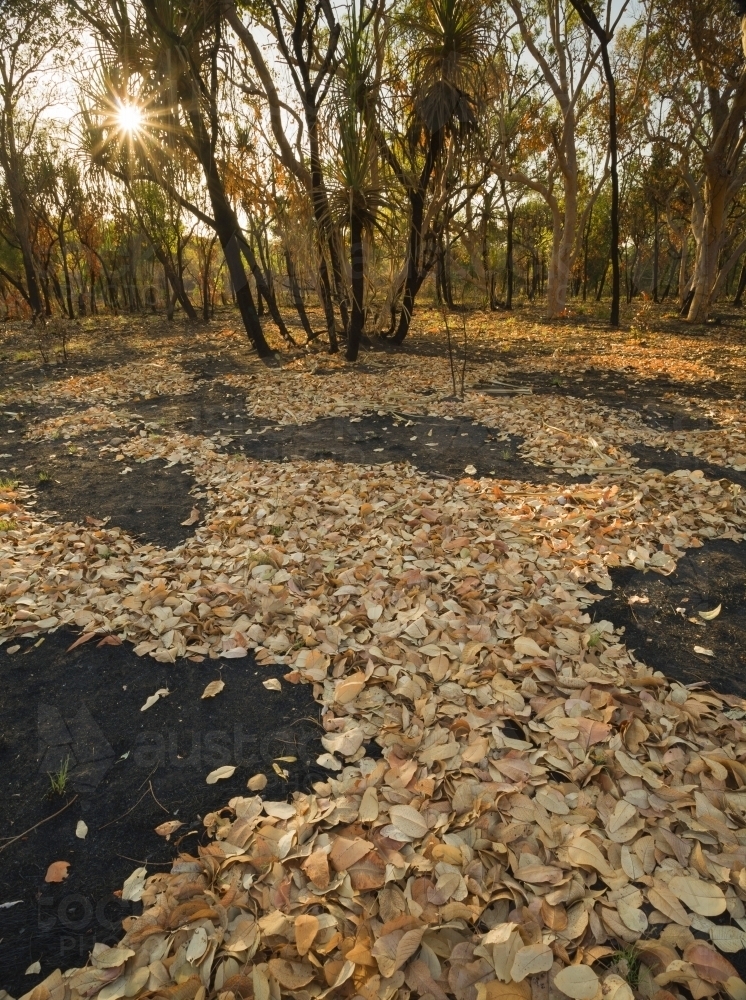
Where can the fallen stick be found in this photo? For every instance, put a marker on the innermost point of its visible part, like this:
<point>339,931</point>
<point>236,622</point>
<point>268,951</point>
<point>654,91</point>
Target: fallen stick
<point>41,821</point>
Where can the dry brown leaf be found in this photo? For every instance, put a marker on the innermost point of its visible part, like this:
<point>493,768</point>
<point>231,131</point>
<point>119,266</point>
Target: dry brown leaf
<point>700,896</point>
<point>57,871</point>
<point>306,929</point>
<point>530,961</point>
<point>213,688</point>
<point>578,982</point>
<point>168,828</point>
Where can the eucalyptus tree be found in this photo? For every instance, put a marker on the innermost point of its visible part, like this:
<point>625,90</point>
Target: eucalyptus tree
<point>698,72</point>
<point>565,55</point>
<point>163,72</point>
<point>307,40</point>
<point>31,38</point>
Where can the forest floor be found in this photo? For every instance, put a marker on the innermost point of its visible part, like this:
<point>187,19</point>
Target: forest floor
<point>400,573</point>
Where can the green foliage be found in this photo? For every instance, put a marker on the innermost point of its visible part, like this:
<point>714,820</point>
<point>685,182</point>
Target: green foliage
<point>58,780</point>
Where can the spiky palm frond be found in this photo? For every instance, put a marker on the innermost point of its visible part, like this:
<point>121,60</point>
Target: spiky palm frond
<point>450,49</point>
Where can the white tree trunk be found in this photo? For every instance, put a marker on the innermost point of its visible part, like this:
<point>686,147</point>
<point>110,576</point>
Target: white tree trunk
<point>709,244</point>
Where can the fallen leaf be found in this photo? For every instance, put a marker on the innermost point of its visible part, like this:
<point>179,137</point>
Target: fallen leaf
<point>703,651</point>
<point>700,896</point>
<point>134,884</point>
<point>577,981</point>
<point>710,615</point>
<point>86,637</point>
<point>213,688</point>
<point>530,961</point>
<point>81,830</point>
<point>257,782</point>
<point>306,929</point>
<point>272,684</point>
<point>192,519</point>
<point>57,871</point>
<point>220,774</point>
<point>153,698</point>
<point>168,828</point>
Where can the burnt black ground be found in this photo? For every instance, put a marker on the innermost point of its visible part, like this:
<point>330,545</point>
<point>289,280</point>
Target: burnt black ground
<point>664,637</point>
<point>83,690</point>
<point>86,705</point>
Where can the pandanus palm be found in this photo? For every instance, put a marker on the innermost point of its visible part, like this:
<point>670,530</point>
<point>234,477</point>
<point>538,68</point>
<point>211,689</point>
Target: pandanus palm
<point>357,197</point>
<point>449,43</point>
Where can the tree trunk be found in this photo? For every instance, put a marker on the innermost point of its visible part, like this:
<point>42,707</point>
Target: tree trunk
<point>656,250</point>
<point>357,268</point>
<point>414,278</point>
<point>737,301</point>
<point>510,217</point>
<point>297,297</point>
<point>708,252</point>
<point>65,270</point>
<point>263,290</point>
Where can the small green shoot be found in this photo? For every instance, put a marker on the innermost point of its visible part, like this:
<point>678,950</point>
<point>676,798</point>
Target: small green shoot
<point>594,639</point>
<point>628,963</point>
<point>8,484</point>
<point>45,477</point>
<point>58,780</point>
<point>276,530</point>
<point>6,525</point>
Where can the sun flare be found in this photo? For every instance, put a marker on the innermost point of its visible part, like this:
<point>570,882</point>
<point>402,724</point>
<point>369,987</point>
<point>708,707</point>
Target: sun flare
<point>129,118</point>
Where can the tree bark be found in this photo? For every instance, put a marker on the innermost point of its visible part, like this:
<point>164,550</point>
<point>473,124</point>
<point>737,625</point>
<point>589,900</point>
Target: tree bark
<point>414,277</point>
<point>357,267</point>
<point>295,292</point>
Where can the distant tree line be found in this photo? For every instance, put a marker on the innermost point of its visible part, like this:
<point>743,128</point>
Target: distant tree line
<point>334,160</point>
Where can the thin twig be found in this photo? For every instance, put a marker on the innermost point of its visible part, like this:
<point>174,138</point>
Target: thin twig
<point>150,786</point>
<point>41,821</point>
<point>111,822</point>
<point>139,862</point>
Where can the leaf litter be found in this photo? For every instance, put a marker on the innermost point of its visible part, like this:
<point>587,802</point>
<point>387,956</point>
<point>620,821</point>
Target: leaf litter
<point>544,803</point>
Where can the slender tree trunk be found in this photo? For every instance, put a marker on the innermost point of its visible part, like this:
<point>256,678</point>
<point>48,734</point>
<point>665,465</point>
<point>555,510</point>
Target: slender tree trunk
<point>738,300</point>
<point>600,291</point>
<point>226,224</point>
<point>414,278</point>
<point>65,270</point>
<point>510,218</point>
<point>297,297</point>
<point>656,250</point>
<point>357,268</point>
<point>263,290</point>
<point>21,222</point>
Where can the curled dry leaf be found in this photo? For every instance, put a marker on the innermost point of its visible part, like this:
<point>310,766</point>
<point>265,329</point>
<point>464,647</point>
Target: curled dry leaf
<point>192,519</point>
<point>168,828</point>
<point>710,615</point>
<point>81,829</point>
<point>272,684</point>
<point>153,698</point>
<point>257,782</point>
